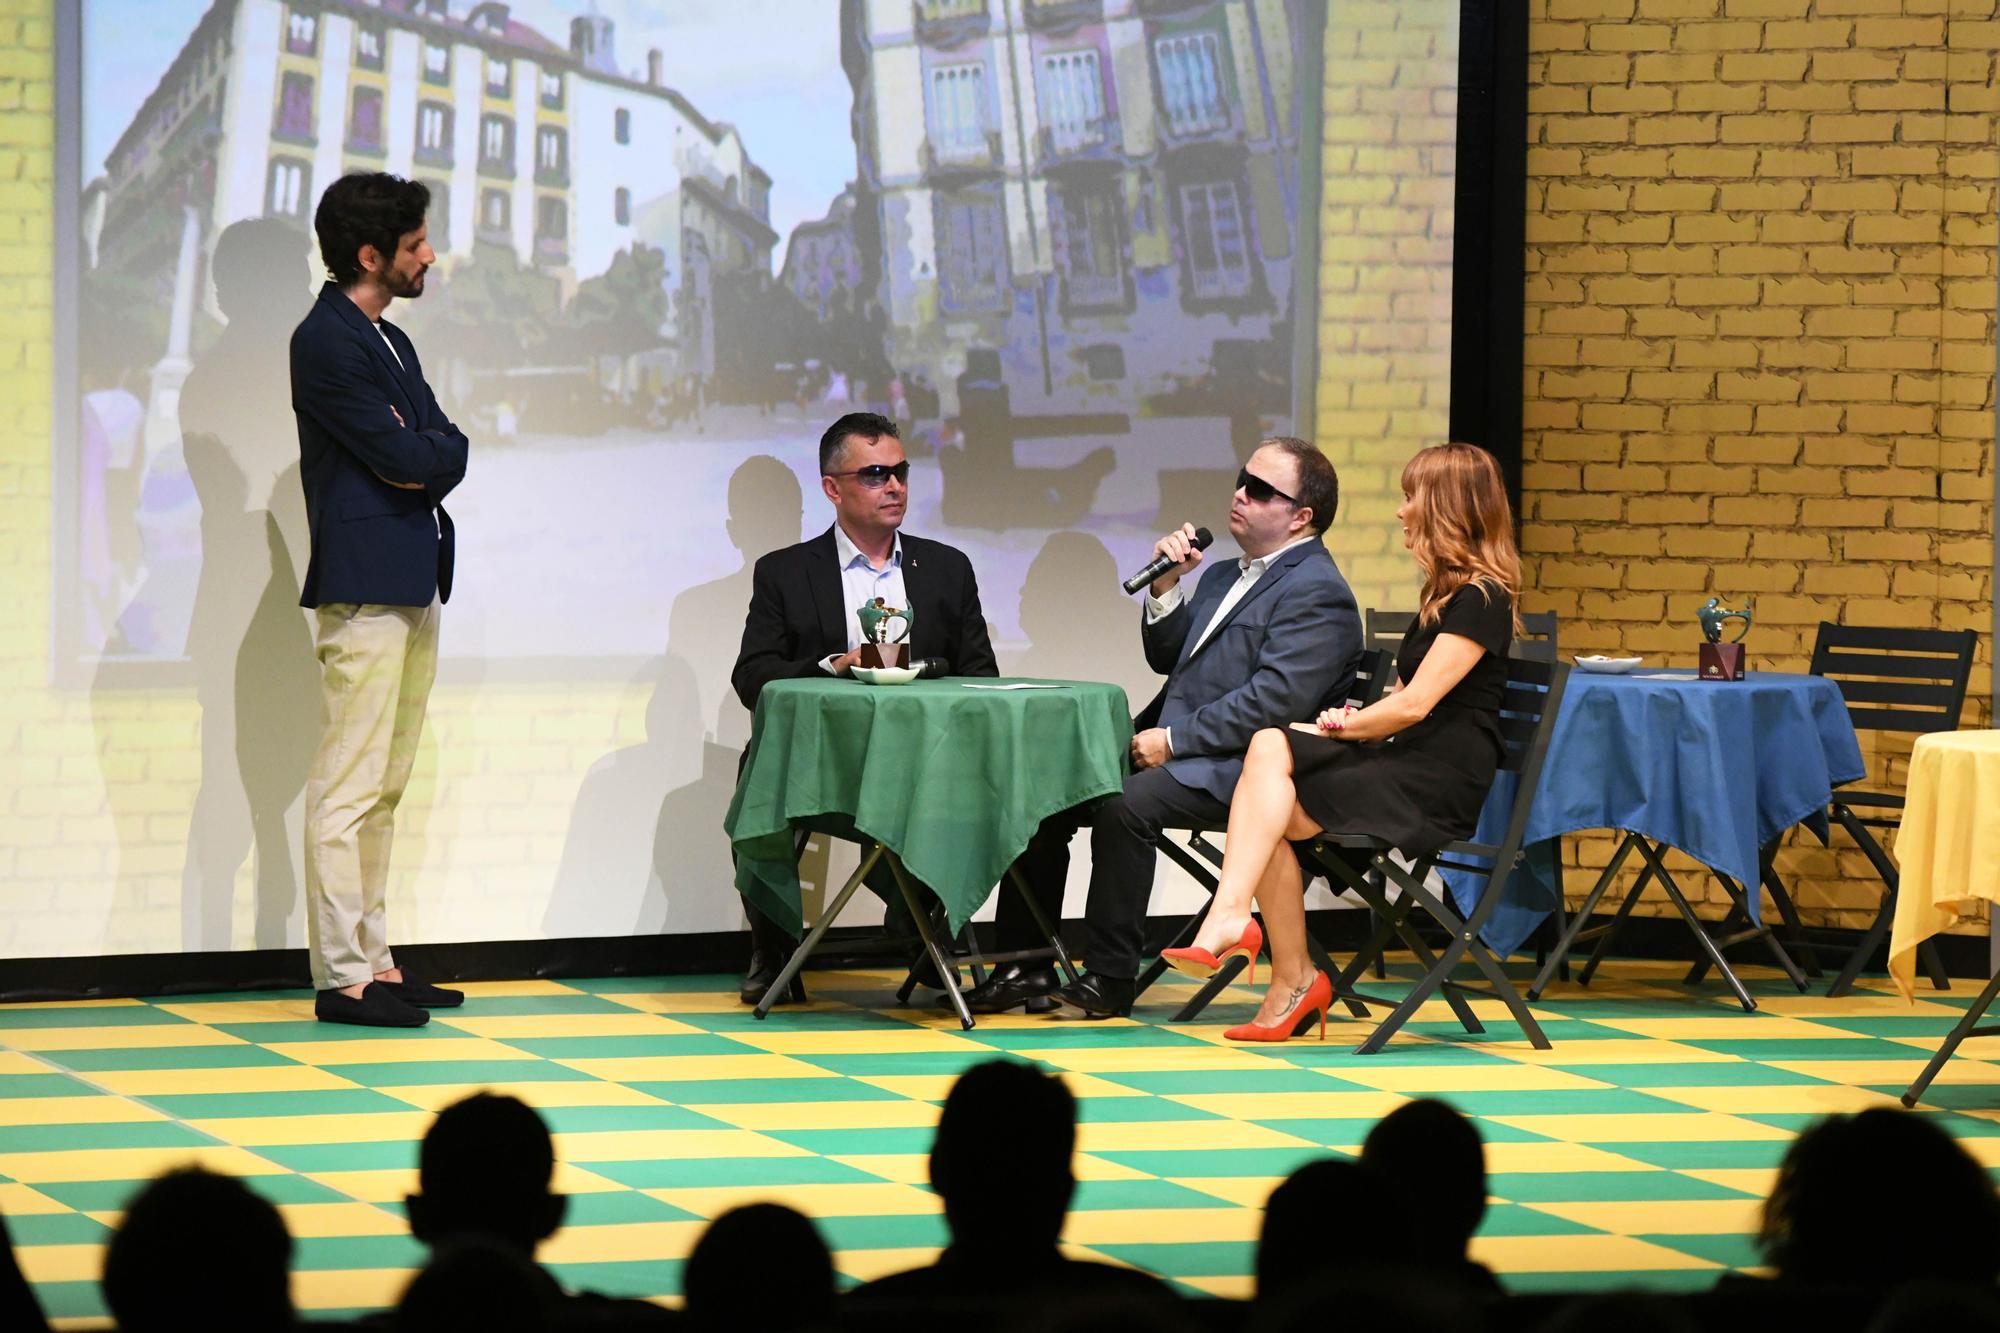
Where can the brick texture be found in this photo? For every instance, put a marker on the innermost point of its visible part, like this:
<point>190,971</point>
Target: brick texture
<point>1760,335</point>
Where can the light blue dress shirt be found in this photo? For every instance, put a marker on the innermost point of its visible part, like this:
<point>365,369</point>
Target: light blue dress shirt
<point>861,583</point>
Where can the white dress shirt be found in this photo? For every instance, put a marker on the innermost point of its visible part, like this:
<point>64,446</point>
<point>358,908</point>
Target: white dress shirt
<point>861,583</point>
<point>1158,608</point>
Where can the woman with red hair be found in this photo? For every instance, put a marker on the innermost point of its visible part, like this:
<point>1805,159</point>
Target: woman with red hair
<point>1412,768</point>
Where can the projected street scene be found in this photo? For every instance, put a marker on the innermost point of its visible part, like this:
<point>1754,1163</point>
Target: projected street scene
<point>1054,239</point>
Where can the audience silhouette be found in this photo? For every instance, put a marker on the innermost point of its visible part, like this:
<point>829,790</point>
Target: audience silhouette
<point>477,1284</point>
<point>1302,1218</point>
<point>1429,1153</point>
<point>1002,1164</point>
<point>18,1307</point>
<point>762,1266</point>
<point>484,1172</point>
<point>160,1270</point>
<point>1878,1199</point>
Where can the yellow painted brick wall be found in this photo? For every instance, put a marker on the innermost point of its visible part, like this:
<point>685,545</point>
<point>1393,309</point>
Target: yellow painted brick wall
<point>1388,165</point>
<point>1760,319</point>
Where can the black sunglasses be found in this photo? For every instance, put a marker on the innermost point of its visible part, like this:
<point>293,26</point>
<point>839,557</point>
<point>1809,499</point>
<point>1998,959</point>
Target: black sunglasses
<point>876,475</point>
<point>1260,491</point>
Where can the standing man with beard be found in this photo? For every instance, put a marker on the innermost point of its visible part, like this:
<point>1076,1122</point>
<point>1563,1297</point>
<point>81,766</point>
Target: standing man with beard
<point>377,457</point>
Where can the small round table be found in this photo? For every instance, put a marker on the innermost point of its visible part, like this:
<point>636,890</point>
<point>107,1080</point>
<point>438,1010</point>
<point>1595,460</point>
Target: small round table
<point>1948,858</point>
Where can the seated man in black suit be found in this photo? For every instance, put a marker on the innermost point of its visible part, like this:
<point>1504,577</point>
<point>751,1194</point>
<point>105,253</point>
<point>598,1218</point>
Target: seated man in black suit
<point>802,619</point>
<point>1002,1163</point>
<point>1265,640</point>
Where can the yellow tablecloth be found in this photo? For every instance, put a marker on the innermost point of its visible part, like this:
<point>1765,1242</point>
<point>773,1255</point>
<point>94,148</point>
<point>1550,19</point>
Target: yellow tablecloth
<point>1948,848</point>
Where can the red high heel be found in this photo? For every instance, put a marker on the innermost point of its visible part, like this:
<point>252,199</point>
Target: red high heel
<point>1317,1000</point>
<point>1201,963</point>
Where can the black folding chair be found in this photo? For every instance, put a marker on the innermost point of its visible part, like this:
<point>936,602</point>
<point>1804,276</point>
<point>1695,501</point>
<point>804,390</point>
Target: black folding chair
<point>1911,681</point>
<point>1527,719</point>
<point>1201,859</point>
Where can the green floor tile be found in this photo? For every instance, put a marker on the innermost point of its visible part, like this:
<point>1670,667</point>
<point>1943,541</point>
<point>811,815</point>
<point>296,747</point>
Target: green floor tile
<point>472,1073</point>
<point>699,1173</point>
<point>312,1254</point>
<point>627,1048</point>
<point>23,1019</point>
<point>1513,1219</point>
<point>603,1119</point>
<point>168,1057</point>
<point>1602,1187</point>
<point>609,1207</point>
<point>910,1231</point>
<point>1094,1195</point>
<point>1199,1162</point>
<point>225,1105</point>
<point>629,1280</point>
<point>1701,1074</point>
<point>1186,1259</point>
<point>133,1134</point>
<point>1732,1251</point>
<point>58,1229</point>
<point>845,1142</point>
<point>742,1091</point>
<point>1708,1156</point>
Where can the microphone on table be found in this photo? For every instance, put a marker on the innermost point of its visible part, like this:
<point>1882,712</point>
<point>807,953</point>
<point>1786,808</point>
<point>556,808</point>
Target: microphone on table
<point>1162,563</point>
<point>930,668</point>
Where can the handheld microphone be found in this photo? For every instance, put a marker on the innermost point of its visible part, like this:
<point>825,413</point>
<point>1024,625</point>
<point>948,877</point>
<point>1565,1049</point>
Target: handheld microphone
<point>1162,563</point>
<point>930,668</point>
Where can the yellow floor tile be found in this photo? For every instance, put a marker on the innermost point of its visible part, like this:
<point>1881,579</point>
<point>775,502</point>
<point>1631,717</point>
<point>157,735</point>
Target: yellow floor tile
<point>1664,1127</point>
<point>1418,1080</point>
<point>393,1186</point>
<point>863,1041</point>
<point>781,1116</point>
<point>152,1036</point>
<point>710,1002</point>
<point>1784,1099</point>
<point>1984,1151</point>
<point>1662,1217</point>
<point>134,1164</point>
<point>244,1011</point>
<point>74,1111</point>
<point>349,1288</point>
<point>867,1265</point>
<point>913,1168</point>
<point>486,990</point>
<point>553,1093</point>
<point>255,1078</point>
<point>1579,1254</point>
<point>1731,1027</point>
<point>1154,1059</point>
<point>683,1068</point>
<point>1237,1287</point>
<point>644,1145</point>
<point>1609,1051</point>
<point>341,1219</point>
<point>849,1199</point>
<point>1169,1135</point>
<point>271,1131</point>
<point>508,1027</point>
<point>1130,1226</point>
<point>1755,1181</point>
<point>1329,1105</point>
<point>15,1062</point>
<point>619,1242</point>
<point>1243,1191</point>
<point>1506,1158</point>
<point>1854,1005</point>
<point>919,1087</point>
<point>1972,1048</point>
<point>21,1201</point>
<point>1896,1074</point>
<point>392,1050</point>
<point>61,1263</point>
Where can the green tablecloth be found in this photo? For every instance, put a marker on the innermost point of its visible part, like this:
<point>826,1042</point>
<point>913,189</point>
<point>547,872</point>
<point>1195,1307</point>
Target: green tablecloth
<point>952,778</point>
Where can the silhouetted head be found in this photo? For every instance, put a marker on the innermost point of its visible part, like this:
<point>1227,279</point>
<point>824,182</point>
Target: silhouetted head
<point>1001,1160</point>
<point>1935,1214</point>
<point>262,277</point>
<point>484,1169</point>
<point>475,1285</point>
<point>1309,1206</point>
<point>196,1241</point>
<point>1431,1151</point>
<point>762,1266</point>
<point>765,506</point>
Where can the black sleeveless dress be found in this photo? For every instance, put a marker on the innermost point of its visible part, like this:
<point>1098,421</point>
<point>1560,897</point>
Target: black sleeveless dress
<point>1424,786</point>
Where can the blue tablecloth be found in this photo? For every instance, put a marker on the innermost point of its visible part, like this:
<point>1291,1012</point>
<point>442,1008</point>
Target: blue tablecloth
<point>1715,768</point>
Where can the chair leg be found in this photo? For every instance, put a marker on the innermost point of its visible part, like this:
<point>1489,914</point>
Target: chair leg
<point>923,924</point>
<point>1963,1029</point>
<point>1865,949</point>
<point>1577,922</point>
<point>1043,924</point>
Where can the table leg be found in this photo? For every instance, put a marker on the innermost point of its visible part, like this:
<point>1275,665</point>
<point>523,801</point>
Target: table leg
<point>1578,920</point>
<point>1966,1027</point>
<point>1701,936</point>
<point>1043,924</point>
<point>922,920</point>
<point>1616,924</point>
<point>796,963</point>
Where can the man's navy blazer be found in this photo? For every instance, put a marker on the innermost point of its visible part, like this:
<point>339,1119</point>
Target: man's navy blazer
<point>796,618</point>
<point>371,541</point>
<point>1288,648</point>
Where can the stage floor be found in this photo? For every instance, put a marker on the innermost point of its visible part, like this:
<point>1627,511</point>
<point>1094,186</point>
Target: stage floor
<point>1634,1152</point>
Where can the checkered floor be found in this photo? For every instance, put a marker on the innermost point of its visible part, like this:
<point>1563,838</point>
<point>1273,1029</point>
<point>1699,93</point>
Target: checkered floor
<point>1635,1151</point>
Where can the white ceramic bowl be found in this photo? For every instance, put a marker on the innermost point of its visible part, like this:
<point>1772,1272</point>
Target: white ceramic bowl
<point>1608,666</point>
<point>885,675</point>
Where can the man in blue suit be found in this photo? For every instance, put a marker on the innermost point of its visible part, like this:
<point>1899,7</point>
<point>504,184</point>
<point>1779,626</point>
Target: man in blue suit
<point>377,457</point>
<point>1265,640</point>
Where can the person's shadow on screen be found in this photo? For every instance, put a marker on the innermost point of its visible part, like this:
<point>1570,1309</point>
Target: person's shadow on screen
<point>632,830</point>
<point>1077,624</point>
<point>250,645</point>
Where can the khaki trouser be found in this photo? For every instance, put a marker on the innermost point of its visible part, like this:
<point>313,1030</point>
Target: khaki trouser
<point>376,667</point>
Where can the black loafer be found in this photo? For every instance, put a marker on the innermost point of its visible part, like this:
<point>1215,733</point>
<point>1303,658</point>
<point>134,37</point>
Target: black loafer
<point>1014,986</point>
<point>413,991</point>
<point>1099,996</point>
<point>763,970</point>
<point>378,1007</point>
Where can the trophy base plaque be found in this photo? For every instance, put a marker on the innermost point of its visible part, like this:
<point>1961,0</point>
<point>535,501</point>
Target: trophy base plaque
<point>877,655</point>
<point>1722,661</point>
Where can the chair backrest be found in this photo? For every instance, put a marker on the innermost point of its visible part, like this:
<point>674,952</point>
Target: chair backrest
<point>1908,680</point>
<point>1372,676</point>
<point>1385,629</point>
<point>1528,712</point>
<point>1538,637</point>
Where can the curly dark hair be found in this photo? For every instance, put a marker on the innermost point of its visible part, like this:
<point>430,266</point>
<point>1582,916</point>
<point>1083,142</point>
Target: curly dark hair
<point>366,208</point>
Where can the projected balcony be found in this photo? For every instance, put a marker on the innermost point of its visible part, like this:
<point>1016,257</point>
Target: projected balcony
<point>950,22</point>
<point>963,156</point>
<point>1062,15</point>
<point>1095,140</point>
